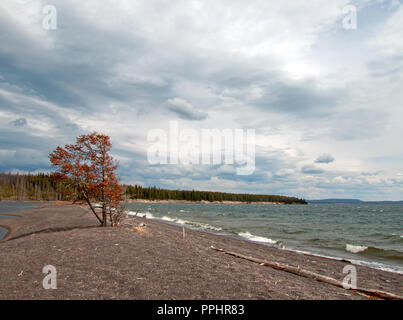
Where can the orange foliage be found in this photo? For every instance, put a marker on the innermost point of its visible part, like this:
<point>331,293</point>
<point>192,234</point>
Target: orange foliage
<point>88,165</point>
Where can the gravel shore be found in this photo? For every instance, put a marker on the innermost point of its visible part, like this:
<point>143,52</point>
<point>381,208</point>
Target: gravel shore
<point>155,262</point>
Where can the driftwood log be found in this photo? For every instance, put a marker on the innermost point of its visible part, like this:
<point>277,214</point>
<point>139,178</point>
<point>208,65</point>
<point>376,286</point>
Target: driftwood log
<point>312,275</point>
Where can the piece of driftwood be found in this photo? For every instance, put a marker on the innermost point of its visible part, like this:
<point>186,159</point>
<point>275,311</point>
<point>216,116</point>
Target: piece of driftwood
<point>312,275</point>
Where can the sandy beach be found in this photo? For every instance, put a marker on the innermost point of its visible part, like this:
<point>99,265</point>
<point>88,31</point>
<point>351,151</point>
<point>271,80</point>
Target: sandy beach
<point>155,262</point>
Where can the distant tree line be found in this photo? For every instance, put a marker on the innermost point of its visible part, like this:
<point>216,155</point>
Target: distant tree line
<point>45,187</point>
<point>154,193</point>
<point>33,187</point>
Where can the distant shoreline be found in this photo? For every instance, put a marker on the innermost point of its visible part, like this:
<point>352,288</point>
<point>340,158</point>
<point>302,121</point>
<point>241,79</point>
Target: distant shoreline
<point>200,202</point>
<point>158,201</point>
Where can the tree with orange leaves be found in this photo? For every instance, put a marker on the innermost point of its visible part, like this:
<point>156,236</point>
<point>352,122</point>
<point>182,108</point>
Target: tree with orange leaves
<point>90,169</point>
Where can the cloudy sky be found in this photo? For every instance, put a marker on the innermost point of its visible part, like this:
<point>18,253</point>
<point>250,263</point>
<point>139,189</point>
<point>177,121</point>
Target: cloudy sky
<point>326,102</point>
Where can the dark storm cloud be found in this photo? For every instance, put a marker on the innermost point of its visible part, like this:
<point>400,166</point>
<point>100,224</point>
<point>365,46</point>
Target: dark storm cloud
<point>303,99</point>
<point>324,158</point>
<point>185,110</point>
<point>277,94</point>
<point>25,152</point>
<point>20,122</point>
<point>310,169</point>
<point>80,71</point>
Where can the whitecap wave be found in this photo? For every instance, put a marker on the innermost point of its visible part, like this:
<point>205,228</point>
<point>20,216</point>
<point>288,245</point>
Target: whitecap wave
<point>379,266</point>
<point>252,237</point>
<point>147,214</point>
<point>354,248</point>
<point>373,265</point>
<point>191,223</point>
<point>166,218</point>
<point>207,226</point>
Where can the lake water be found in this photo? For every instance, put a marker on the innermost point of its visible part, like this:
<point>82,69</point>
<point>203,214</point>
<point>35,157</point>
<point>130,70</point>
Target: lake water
<point>10,207</point>
<point>366,234</point>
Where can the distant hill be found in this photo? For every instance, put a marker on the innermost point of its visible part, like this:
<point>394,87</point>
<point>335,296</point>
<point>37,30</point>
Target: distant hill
<point>384,202</point>
<point>336,201</point>
<point>353,201</point>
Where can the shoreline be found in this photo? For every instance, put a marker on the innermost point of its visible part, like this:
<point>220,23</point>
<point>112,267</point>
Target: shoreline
<point>161,201</point>
<point>200,202</point>
<point>3,232</point>
<point>149,259</point>
<point>274,244</point>
<point>5,229</point>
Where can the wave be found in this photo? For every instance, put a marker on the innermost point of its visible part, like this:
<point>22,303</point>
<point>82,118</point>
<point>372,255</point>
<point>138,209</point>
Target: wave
<point>389,254</point>
<point>293,231</point>
<point>147,214</point>
<point>198,225</point>
<point>385,253</point>
<point>251,237</point>
<point>370,264</point>
<point>378,266</point>
<point>396,238</point>
<point>355,249</point>
<point>371,256</point>
<point>386,236</point>
<point>194,224</point>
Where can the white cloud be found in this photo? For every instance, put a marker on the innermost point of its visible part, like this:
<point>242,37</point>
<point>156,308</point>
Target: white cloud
<point>388,38</point>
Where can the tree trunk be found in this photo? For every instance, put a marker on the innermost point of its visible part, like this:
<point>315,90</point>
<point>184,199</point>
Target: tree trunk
<point>104,215</point>
<point>93,210</point>
<point>312,275</point>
